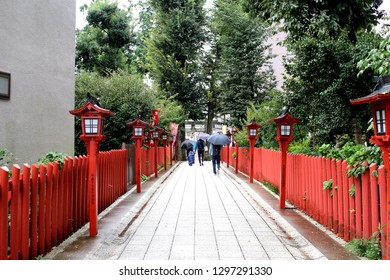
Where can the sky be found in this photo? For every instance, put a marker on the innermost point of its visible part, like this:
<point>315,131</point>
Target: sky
<point>80,17</point>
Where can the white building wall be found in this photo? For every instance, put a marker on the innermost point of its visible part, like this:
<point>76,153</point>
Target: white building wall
<point>37,47</point>
<point>279,52</point>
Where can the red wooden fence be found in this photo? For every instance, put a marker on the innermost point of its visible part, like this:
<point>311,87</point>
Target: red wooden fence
<point>352,208</point>
<point>147,159</point>
<point>40,206</point>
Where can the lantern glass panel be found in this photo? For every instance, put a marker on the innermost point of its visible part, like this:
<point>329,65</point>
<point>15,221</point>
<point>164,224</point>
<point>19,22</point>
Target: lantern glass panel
<point>285,129</point>
<point>252,132</point>
<point>138,131</point>
<point>380,122</point>
<point>91,126</point>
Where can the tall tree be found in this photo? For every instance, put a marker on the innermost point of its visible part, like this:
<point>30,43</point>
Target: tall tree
<point>298,16</point>
<point>322,78</point>
<point>175,46</point>
<point>104,44</point>
<point>244,68</point>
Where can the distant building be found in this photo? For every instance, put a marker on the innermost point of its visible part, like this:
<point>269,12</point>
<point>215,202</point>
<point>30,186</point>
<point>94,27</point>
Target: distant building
<point>279,52</point>
<point>37,77</point>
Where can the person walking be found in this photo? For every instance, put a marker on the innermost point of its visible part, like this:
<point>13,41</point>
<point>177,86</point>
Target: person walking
<point>200,147</point>
<point>215,152</point>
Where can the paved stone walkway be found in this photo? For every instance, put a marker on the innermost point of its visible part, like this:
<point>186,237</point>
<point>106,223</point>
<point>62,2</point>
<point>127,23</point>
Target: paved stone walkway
<point>193,214</point>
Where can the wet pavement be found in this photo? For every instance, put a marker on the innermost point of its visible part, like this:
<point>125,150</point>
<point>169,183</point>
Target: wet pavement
<point>188,213</point>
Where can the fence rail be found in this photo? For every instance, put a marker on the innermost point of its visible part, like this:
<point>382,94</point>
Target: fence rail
<point>40,206</point>
<point>351,207</point>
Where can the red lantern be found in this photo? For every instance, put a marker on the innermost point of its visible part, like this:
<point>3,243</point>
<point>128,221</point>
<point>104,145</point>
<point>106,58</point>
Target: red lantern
<point>284,124</point>
<point>138,136</point>
<point>253,128</point>
<point>92,124</point>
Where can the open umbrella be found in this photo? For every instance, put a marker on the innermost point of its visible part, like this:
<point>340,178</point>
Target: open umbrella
<point>218,139</point>
<point>203,136</point>
<point>187,144</point>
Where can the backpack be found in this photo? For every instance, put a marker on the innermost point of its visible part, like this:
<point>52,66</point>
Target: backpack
<point>216,150</point>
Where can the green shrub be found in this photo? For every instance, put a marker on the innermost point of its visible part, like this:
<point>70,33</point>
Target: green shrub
<point>52,157</point>
<point>302,147</point>
<point>358,157</point>
<point>6,158</point>
<point>369,248</point>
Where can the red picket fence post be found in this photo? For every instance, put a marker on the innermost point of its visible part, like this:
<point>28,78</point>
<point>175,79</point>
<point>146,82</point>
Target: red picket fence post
<point>346,227</point>
<point>382,180</point>
<point>366,222</point>
<point>374,192</point>
<point>4,186</point>
<point>25,196</point>
<point>358,205</point>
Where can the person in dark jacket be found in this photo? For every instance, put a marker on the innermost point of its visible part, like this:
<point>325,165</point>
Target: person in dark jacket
<point>215,151</point>
<point>200,147</point>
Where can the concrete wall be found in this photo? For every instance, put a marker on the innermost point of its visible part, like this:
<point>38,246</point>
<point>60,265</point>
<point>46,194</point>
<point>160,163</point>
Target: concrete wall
<point>37,47</point>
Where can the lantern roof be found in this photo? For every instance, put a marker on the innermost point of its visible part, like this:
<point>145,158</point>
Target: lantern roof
<point>89,108</point>
<point>253,124</point>
<point>285,117</point>
<point>138,122</point>
<point>381,92</point>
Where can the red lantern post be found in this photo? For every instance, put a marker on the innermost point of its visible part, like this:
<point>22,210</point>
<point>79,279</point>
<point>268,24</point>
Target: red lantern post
<point>156,137</point>
<point>284,125</point>
<point>237,150</point>
<point>252,136</point>
<point>138,136</point>
<point>92,124</point>
<point>170,148</point>
<point>164,138</point>
<point>380,107</point>
<point>228,134</point>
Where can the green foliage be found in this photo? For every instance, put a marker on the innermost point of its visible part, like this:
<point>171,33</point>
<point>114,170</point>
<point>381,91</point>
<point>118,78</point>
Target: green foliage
<point>6,158</point>
<point>262,113</point>
<point>318,18</point>
<point>369,248</point>
<point>243,66</point>
<point>105,43</point>
<point>327,185</point>
<point>174,51</point>
<point>378,59</point>
<point>144,178</point>
<point>302,146</point>
<point>358,157</point>
<point>271,187</point>
<point>352,190</point>
<point>322,81</point>
<point>129,98</point>
<point>52,157</point>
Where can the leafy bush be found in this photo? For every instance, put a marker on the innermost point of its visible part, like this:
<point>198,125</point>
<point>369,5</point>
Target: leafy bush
<point>369,248</point>
<point>358,157</point>
<point>52,157</point>
<point>302,147</point>
<point>6,157</point>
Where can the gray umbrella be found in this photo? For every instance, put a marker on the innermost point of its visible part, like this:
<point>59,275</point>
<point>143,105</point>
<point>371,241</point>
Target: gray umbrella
<point>187,144</point>
<point>203,136</point>
<point>218,139</point>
